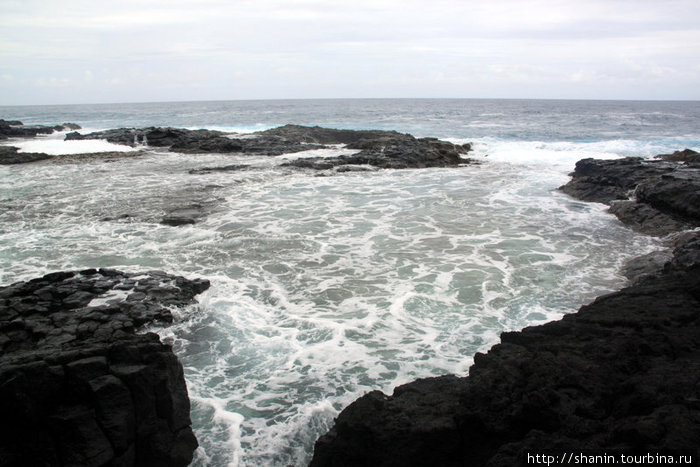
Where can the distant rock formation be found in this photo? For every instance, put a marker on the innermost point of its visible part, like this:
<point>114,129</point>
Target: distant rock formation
<point>16,129</point>
<point>384,149</point>
<point>78,386</point>
<point>195,141</point>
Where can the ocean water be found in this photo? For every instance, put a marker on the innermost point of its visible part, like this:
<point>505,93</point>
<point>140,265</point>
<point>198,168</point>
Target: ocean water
<point>326,287</point>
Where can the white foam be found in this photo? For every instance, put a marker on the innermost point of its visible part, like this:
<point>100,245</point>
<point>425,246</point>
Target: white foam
<point>332,151</point>
<point>230,420</point>
<point>55,145</point>
<point>111,296</point>
<point>323,288</point>
<point>562,155</point>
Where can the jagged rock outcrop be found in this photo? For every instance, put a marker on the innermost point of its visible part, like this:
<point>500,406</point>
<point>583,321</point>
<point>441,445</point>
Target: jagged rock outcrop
<point>393,153</point>
<point>320,135</point>
<point>384,149</point>
<point>656,197</point>
<point>78,386</point>
<point>686,155</point>
<point>197,141</point>
<point>16,129</point>
<point>619,376</point>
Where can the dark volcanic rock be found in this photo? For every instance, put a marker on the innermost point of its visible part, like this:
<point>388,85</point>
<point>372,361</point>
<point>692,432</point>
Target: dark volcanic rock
<point>16,129</point>
<point>183,216</point>
<point>385,149</point>
<point>225,168</point>
<point>196,141</point>
<point>78,386</point>
<point>676,193</point>
<point>619,376</point>
<point>9,155</point>
<point>156,137</point>
<point>69,126</point>
<point>644,218</point>
<point>396,152</point>
<point>686,155</point>
<point>319,135</point>
<point>659,196</point>
<point>603,181</point>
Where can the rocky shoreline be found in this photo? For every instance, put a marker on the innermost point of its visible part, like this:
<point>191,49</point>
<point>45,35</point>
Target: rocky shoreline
<point>380,149</point>
<point>78,385</point>
<point>618,376</point>
<point>383,149</point>
<point>17,129</point>
<point>656,197</point>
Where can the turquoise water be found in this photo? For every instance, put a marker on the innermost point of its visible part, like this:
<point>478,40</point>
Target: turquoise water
<point>326,287</point>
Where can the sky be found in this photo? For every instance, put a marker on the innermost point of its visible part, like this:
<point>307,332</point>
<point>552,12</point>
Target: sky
<point>106,51</point>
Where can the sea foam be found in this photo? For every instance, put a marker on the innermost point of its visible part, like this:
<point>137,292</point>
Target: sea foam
<point>55,145</point>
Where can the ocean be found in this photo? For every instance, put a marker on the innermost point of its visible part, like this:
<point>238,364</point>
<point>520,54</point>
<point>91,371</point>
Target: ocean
<point>327,287</point>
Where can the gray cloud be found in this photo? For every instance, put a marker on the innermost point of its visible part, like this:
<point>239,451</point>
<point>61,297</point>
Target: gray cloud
<point>117,51</point>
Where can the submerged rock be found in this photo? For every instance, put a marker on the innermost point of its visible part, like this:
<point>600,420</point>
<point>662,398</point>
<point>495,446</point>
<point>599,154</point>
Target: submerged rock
<point>226,168</point>
<point>619,376</point>
<point>183,216</point>
<point>78,386</point>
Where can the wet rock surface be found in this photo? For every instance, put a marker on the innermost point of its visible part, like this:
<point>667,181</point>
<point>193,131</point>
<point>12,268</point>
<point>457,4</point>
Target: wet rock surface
<point>10,155</point>
<point>78,386</point>
<point>384,149</point>
<point>656,197</point>
<point>393,153</point>
<point>17,129</point>
<point>686,155</point>
<point>197,141</point>
<point>184,215</point>
<point>619,376</point>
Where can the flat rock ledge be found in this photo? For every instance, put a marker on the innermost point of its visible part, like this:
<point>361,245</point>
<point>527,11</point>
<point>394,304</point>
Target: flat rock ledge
<point>78,385</point>
<point>620,376</point>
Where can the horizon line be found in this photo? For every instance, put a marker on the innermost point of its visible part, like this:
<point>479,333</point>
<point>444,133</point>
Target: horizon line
<point>350,98</point>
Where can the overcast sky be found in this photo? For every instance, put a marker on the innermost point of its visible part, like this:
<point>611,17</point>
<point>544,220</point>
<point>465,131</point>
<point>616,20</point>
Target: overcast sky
<point>80,51</point>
